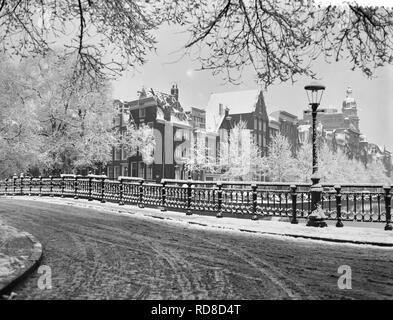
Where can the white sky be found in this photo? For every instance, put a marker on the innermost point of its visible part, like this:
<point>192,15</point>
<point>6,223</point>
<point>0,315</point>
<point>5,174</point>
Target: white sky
<point>163,68</point>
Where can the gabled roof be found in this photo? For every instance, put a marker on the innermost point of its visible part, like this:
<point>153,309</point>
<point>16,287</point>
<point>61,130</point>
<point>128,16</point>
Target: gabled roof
<point>238,102</point>
<point>165,103</point>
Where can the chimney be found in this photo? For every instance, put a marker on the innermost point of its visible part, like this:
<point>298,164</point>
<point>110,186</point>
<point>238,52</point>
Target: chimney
<point>176,93</point>
<point>346,122</point>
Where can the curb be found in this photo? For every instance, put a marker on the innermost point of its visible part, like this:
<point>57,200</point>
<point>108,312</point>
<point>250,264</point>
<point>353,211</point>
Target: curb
<point>244,230</point>
<point>299,236</point>
<point>343,241</point>
<point>31,263</point>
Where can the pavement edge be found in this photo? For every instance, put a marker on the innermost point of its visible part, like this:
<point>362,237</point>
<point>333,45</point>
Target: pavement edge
<point>31,263</point>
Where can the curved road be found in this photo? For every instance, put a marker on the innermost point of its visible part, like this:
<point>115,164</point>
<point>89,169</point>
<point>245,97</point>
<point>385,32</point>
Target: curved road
<point>96,255</point>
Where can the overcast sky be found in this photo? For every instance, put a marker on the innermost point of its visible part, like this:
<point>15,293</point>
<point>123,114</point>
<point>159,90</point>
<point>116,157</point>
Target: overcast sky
<point>374,97</point>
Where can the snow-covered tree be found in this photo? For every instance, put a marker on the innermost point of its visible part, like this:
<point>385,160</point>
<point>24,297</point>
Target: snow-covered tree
<point>376,172</point>
<point>139,139</point>
<point>53,122</point>
<point>279,161</point>
<point>199,157</point>
<point>304,163</point>
<point>19,143</point>
<point>76,118</point>
<point>336,167</point>
<point>240,157</point>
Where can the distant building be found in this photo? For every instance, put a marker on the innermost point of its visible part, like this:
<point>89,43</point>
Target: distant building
<point>288,127</point>
<point>274,128</point>
<point>248,106</point>
<point>200,131</point>
<point>172,128</point>
<point>341,129</point>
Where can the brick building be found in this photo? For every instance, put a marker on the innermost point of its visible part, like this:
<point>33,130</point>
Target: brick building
<point>172,129</point>
<point>248,106</point>
<point>341,129</point>
<point>288,127</point>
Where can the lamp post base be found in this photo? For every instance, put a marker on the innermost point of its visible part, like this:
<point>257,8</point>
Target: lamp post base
<point>316,222</point>
<point>317,216</point>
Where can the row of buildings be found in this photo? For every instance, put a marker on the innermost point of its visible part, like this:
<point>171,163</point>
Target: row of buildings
<point>175,126</point>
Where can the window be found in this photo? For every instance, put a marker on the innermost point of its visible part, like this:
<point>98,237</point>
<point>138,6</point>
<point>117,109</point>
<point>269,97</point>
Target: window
<point>259,124</point>
<point>255,123</point>
<point>117,172</point>
<point>178,135</point>
<point>149,172</point>
<point>125,117</point>
<point>134,169</point>
<point>142,112</point>
<point>124,155</point>
<point>220,109</point>
<point>123,170</point>
<point>117,120</point>
<point>117,154</point>
<point>141,171</point>
<point>177,173</point>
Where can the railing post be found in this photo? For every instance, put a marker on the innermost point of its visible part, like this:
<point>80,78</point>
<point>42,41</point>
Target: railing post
<point>254,201</point>
<point>339,223</point>
<point>163,195</point>
<point>294,203</point>
<point>40,187</point>
<point>219,200</point>
<point>21,184</point>
<point>62,186</point>
<point>30,185</point>
<point>51,186</point>
<point>388,207</point>
<point>90,189</point>
<point>189,198</point>
<point>15,177</point>
<point>140,204</point>
<point>6,187</point>
<point>76,187</point>
<point>121,202</point>
<point>102,190</point>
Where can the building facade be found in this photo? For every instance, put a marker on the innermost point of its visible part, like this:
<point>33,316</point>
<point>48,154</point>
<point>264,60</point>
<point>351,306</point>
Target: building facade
<point>172,131</point>
<point>288,127</point>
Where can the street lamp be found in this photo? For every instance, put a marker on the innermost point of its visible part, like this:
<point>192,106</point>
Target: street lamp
<point>228,119</point>
<point>314,94</point>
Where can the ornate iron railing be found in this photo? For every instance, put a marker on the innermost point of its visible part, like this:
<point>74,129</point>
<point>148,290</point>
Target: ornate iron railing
<point>346,202</point>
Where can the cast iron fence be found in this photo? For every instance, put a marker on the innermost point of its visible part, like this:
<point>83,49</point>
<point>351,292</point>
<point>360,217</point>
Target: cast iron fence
<point>359,203</point>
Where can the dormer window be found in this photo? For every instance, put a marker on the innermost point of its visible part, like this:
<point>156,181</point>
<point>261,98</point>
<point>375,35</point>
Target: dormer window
<point>220,109</point>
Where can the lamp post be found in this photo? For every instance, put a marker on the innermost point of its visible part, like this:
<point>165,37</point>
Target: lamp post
<point>228,119</point>
<point>314,94</point>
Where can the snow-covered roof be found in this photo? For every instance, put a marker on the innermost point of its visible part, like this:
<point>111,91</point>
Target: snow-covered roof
<point>237,101</point>
<point>304,127</point>
<point>272,118</point>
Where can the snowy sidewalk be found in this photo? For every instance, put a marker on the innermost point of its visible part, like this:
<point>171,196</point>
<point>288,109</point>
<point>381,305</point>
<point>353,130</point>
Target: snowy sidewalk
<point>20,252</point>
<point>348,234</point>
